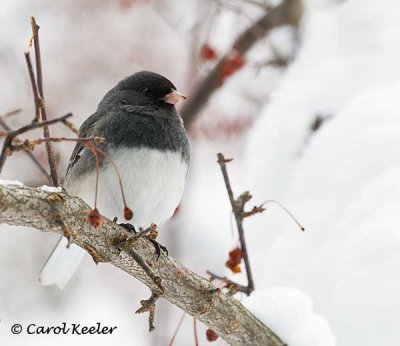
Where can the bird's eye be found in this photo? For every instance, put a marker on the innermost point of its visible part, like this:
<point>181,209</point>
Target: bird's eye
<point>148,92</point>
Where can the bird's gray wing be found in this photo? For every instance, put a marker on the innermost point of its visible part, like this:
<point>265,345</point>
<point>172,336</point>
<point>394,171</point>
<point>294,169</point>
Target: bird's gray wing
<point>87,129</point>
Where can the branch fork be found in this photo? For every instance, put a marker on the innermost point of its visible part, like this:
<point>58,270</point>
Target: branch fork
<point>237,205</point>
<point>149,305</point>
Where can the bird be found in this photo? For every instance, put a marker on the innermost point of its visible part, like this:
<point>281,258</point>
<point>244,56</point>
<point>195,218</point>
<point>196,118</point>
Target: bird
<point>145,137</point>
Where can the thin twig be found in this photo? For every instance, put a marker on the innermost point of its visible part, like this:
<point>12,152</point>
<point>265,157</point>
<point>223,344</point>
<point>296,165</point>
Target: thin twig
<point>139,260</point>
<point>96,158</point>
<point>38,59</point>
<point>30,144</point>
<point>229,283</point>
<point>6,127</point>
<point>110,159</point>
<point>6,151</point>
<point>284,209</point>
<point>34,126</point>
<point>238,209</point>
<point>11,113</point>
<point>71,126</point>
<point>46,132</point>
<point>126,244</point>
<point>36,99</point>
<point>196,338</point>
<point>38,125</point>
<point>150,306</point>
<point>177,329</point>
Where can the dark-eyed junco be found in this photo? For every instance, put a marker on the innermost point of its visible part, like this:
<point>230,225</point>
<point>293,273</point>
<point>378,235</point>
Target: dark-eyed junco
<point>146,139</point>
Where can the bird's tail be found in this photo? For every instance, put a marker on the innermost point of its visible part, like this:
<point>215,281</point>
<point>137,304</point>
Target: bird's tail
<point>61,265</point>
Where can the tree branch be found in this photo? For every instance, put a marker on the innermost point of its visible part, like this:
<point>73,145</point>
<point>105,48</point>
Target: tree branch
<point>53,211</point>
<point>287,13</point>
<point>238,211</point>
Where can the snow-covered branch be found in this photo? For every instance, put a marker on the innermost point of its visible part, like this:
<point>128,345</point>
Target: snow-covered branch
<point>53,210</point>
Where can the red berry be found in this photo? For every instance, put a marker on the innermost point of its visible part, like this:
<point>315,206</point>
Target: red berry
<point>232,63</point>
<point>236,255</point>
<point>128,213</point>
<point>207,52</point>
<point>95,218</point>
<point>233,266</point>
<point>211,335</point>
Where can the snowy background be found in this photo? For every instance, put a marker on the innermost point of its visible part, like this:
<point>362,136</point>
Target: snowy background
<point>337,283</point>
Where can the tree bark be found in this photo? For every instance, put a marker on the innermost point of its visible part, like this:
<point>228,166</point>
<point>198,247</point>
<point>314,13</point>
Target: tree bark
<point>53,211</point>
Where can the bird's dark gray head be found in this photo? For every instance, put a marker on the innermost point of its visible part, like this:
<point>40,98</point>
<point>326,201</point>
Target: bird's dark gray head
<point>150,87</point>
<point>148,83</point>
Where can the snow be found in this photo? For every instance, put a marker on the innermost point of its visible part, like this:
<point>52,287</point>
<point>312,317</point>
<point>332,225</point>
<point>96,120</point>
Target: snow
<point>10,182</point>
<point>51,188</point>
<point>341,182</point>
<point>289,313</point>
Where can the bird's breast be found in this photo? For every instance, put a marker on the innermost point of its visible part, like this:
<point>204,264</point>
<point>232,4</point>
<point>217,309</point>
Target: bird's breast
<point>152,180</point>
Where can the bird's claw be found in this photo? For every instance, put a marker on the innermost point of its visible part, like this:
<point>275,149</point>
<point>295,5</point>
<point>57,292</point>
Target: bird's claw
<point>129,227</point>
<point>158,247</point>
<point>150,233</point>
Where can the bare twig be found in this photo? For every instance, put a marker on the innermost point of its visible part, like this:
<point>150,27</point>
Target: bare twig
<point>286,210</point>
<point>46,132</point>
<point>177,329</point>
<point>110,159</point>
<point>150,306</point>
<point>30,144</point>
<point>11,113</point>
<point>287,13</point>
<point>229,283</point>
<point>238,211</point>
<point>38,125</point>
<point>71,126</point>
<point>36,99</point>
<point>7,145</point>
<point>6,127</point>
<point>38,59</point>
<point>139,260</point>
<point>240,214</point>
<point>126,244</point>
<point>196,338</point>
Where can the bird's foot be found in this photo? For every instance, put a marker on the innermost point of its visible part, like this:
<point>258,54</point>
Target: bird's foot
<point>158,248</point>
<point>151,234</point>
<point>128,226</point>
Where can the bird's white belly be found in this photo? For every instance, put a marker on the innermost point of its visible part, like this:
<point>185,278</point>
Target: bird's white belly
<point>153,183</point>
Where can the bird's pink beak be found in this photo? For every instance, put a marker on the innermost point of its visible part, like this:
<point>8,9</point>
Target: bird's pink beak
<point>174,97</point>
